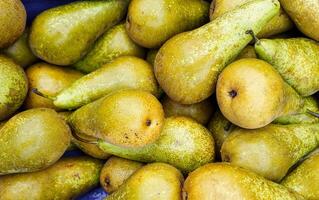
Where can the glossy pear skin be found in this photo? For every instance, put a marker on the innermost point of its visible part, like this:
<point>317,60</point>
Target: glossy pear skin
<point>228,182</point>
<point>116,171</point>
<point>183,143</point>
<point>112,44</point>
<point>125,72</point>
<point>14,87</point>
<point>64,34</point>
<point>32,140</point>
<point>12,21</point>
<point>305,15</point>
<point>301,72</point>
<point>67,179</point>
<point>278,24</point>
<point>129,118</point>
<point>272,150</point>
<point>157,181</point>
<point>150,23</point>
<point>49,79</point>
<point>188,64</point>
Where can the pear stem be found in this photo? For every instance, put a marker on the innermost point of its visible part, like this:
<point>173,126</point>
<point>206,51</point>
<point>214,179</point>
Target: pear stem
<point>36,91</point>
<point>251,32</point>
<point>77,137</point>
<point>313,113</point>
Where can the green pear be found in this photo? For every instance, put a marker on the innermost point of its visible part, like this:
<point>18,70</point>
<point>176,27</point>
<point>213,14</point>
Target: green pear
<point>278,24</point>
<point>32,140</point>
<point>247,52</point>
<point>14,87</point>
<point>150,23</point>
<point>305,15</point>
<point>227,182</point>
<point>296,59</point>
<point>112,44</point>
<point>187,66</point>
<point>64,34</point>
<point>67,179</point>
<point>129,118</point>
<point>183,143</point>
<point>116,171</point>
<point>270,151</point>
<point>90,149</point>
<point>157,181</point>
<point>12,21</point>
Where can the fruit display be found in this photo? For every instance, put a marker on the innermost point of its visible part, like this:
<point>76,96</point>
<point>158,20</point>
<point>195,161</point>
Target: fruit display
<point>159,100</point>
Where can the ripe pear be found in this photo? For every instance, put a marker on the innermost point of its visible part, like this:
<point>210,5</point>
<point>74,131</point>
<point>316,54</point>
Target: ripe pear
<point>157,181</point>
<point>247,52</point>
<point>150,23</point>
<point>14,87</point>
<point>129,118</point>
<point>112,44</point>
<point>187,66</point>
<point>227,182</point>
<point>49,79</point>
<point>251,94</point>
<point>116,171</point>
<point>183,143</point>
<point>201,112</point>
<point>301,72</point>
<point>305,15</point>
<point>64,34</point>
<point>32,140</point>
<point>90,149</point>
<point>67,179</point>
<point>12,21</point>
<point>270,151</point>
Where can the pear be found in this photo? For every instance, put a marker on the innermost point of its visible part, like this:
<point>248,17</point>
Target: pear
<point>301,72</point>
<point>272,150</point>
<point>12,21</point>
<point>112,44</point>
<point>183,143</point>
<point>305,15</point>
<point>227,182</point>
<point>129,118</point>
<point>14,87</point>
<point>150,23</point>
<point>278,24</point>
<point>116,171</point>
<point>251,94</point>
<point>247,52</point>
<point>90,149</point>
<point>64,34</point>
<point>67,179</point>
<point>187,66</point>
<point>151,55</point>
<point>201,111</point>
<point>157,181</point>
<point>49,79</point>
<point>32,140</point>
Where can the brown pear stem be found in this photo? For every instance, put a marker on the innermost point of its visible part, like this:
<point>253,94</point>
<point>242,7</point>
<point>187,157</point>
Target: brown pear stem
<point>77,137</point>
<point>36,91</point>
<point>313,113</point>
<point>251,32</point>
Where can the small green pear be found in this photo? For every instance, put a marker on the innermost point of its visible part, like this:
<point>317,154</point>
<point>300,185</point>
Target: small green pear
<point>90,149</point>
<point>247,52</point>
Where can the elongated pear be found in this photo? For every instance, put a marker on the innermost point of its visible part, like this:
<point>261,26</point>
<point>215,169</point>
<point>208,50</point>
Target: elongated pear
<point>187,66</point>
<point>270,151</point>
<point>67,179</point>
<point>157,181</point>
<point>64,34</point>
<point>32,140</point>
<point>301,72</point>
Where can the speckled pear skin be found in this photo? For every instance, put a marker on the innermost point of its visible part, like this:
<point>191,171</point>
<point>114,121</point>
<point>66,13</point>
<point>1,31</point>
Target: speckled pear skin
<point>296,59</point>
<point>150,23</point>
<point>64,34</point>
<point>14,87</point>
<point>187,66</point>
<point>90,149</point>
<point>126,72</point>
<point>32,140</point>
<point>156,181</point>
<point>305,178</point>
<point>228,182</point>
<point>272,150</point>
<point>305,15</point>
<point>112,44</point>
<point>67,179</point>
<point>183,143</point>
<point>278,24</point>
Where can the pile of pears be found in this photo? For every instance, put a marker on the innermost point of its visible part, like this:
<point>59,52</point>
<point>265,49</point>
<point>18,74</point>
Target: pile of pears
<point>166,100</point>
